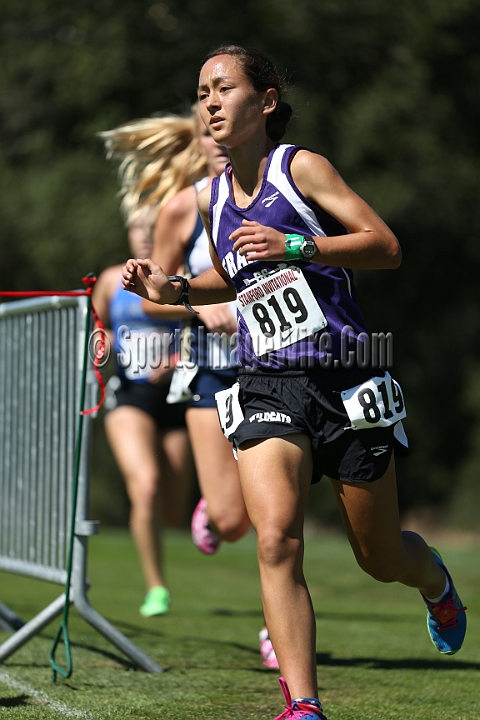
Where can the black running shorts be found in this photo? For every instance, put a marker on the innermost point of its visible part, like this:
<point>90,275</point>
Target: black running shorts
<point>149,397</point>
<point>279,404</point>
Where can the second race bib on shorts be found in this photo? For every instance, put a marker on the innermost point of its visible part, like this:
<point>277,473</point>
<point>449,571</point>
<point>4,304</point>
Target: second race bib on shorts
<point>280,310</point>
<point>230,413</point>
<point>179,390</point>
<point>376,403</point>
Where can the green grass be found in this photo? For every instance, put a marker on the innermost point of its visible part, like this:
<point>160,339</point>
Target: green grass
<point>375,660</point>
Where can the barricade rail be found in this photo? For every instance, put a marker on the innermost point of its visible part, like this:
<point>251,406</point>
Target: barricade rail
<point>42,368</point>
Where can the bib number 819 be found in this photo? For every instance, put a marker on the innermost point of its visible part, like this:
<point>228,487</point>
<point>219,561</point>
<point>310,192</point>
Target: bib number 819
<point>378,402</point>
<point>295,308</point>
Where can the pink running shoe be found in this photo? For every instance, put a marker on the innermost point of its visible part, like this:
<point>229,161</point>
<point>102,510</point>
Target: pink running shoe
<point>300,709</point>
<point>266,650</point>
<point>204,538</point>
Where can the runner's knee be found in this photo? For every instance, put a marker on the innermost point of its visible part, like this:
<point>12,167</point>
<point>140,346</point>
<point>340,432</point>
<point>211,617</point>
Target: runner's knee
<point>276,547</point>
<point>230,524</point>
<point>143,490</point>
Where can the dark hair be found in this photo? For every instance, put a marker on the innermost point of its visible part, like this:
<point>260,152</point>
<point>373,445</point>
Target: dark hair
<point>263,75</point>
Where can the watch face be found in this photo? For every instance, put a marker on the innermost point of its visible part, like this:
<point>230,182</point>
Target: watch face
<point>308,249</point>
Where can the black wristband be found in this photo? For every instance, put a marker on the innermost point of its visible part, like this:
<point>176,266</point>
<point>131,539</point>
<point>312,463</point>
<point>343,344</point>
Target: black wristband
<point>185,287</point>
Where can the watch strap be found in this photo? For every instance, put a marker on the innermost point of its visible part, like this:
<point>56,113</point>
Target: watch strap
<point>293,243</point>
<point>185,287</point>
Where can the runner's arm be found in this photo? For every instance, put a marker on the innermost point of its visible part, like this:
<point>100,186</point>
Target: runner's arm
<point>369,244</point>
<point>148,280</point>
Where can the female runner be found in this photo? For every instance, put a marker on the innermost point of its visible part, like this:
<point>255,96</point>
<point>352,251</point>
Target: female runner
<point>181,150</point>
<point>286,232</point>
<point>181,240</point>
<point>148,438</point>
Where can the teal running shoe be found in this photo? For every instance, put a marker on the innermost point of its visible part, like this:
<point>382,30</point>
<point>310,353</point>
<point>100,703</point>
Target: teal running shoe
<point>157,602</point>
<point>446,620</point>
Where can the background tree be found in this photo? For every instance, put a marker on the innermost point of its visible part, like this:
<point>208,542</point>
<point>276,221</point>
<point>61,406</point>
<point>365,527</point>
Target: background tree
<point>388,92</point>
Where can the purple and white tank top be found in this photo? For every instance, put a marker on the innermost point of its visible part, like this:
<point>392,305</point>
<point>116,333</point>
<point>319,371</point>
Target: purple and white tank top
<point>291,313</point>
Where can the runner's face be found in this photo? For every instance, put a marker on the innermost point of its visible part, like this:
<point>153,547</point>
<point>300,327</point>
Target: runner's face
<point>230,107</point>
<point>140,235</point>
<point>216,155</point>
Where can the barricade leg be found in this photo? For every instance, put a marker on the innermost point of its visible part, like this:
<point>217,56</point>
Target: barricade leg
<point>31,628</point>
<point>11,621</point>
<point>141,659</point>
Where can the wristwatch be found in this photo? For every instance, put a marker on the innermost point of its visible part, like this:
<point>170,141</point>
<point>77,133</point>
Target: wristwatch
<point>185,287</point>
<point>308,247</point>
<point>299,247</point>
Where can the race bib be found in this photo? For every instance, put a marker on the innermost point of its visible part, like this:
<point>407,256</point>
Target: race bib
<point>179,390</point>
<point>376,403</point>
<point>230,413</point>
<point>280,310</point>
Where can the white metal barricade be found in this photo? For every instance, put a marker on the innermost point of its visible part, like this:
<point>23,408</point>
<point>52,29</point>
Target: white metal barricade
<point>42,356</point>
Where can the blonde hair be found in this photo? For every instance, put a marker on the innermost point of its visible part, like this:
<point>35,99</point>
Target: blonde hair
<point>159,156</point>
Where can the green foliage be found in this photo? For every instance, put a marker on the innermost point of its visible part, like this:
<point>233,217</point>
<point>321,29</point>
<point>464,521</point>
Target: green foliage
<point>388,92</point>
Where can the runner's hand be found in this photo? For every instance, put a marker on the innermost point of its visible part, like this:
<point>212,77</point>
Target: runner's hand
<point>258,242</point>
<point>218,318</point>
<point>147,279</point>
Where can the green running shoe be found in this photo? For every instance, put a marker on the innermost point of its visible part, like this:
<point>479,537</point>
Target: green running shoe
<point>157,602</point>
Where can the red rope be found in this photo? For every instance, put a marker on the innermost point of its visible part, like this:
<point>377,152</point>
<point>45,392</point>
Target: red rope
<point>42,293</point>
<point>89,281</point>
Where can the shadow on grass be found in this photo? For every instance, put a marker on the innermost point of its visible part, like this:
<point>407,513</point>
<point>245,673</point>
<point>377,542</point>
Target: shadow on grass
<point>120,659</point>
<point>108,655</point>
<point>327,659</point>
<point>18,701</point>
<point>342,617</point>
<point>405,664</point>
<point>133,629</point>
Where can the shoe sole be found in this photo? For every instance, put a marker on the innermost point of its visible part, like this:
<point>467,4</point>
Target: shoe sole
<point>147,614</point>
